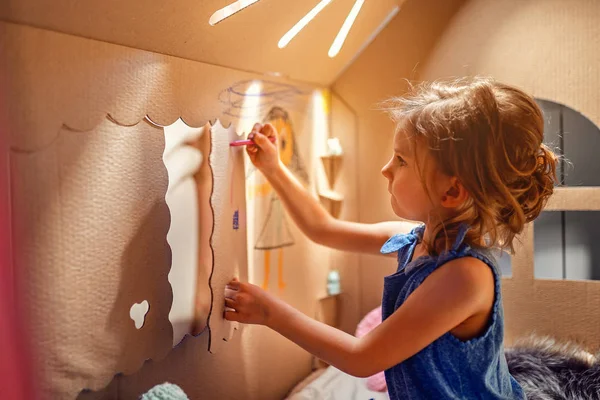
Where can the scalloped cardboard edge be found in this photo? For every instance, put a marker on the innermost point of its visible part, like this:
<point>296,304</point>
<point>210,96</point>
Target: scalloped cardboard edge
<point>96,81</point>
<point>72,250</point>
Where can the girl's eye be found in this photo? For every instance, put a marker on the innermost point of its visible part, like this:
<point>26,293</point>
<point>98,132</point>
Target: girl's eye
<point>401,160</point>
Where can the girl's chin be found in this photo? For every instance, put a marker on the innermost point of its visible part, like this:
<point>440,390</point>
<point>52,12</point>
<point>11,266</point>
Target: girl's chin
<point>401,213</point>
<point>396,209</point>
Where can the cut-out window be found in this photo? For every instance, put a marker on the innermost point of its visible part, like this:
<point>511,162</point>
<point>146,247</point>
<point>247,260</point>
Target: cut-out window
<point>575,137</point>
<point>563,239</point>
<point>565,245</point>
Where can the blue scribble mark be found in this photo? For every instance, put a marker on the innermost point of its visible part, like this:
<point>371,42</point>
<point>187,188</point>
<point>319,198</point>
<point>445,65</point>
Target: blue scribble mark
<point>236,220</point>
<point>271,94</point>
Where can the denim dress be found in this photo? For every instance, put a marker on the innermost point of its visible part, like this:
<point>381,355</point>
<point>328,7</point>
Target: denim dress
<point>448,368</point>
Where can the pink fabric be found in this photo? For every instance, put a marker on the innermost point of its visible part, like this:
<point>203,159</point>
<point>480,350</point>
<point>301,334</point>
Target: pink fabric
<point>368,323</point>
<point>16,378</point>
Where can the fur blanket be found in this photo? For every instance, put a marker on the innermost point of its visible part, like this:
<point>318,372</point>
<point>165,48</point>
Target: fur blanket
<point>548,370</point>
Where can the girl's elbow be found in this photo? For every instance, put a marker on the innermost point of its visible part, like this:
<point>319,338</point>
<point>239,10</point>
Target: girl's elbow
<point>363,373</point>
<point>361,366</point>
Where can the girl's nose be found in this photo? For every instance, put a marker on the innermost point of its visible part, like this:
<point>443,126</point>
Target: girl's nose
<point>385,171</point>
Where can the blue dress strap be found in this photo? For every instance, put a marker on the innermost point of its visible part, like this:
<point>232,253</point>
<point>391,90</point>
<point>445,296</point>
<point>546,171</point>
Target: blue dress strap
<point>396,242</point>
<point>460,237</point>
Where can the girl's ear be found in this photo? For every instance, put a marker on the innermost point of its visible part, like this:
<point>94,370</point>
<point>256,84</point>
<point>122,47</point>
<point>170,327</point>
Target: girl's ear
<point>456,194</point>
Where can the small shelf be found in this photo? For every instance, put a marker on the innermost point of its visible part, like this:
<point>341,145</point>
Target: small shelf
<point>332,165</point>
<point>332,201</point>
<point>329,296</point>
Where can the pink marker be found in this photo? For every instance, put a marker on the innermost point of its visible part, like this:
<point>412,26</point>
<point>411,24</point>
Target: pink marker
<point>247,142</point>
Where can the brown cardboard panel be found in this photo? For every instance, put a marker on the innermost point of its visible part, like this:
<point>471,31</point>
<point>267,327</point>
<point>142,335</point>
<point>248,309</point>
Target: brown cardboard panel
<point>246,41</point>
<point>228,375</point>
<point>110,392</point>
<point>564,309</point>
<point>575,199</point>
<point>88,248</point>
<point>344,126</point>
<point>194,369</point>
<point>228,239</point>
<point>53,79</point>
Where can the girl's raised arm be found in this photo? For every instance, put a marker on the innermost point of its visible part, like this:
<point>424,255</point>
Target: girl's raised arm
<point>308,214</point>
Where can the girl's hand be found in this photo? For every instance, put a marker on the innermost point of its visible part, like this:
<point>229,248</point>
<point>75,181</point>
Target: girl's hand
<point>263,153</point>
<point>247,303</point>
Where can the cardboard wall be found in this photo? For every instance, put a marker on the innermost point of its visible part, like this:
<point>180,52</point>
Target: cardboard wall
<point>344,126</point>
<point>92,228</point>
<point>184,31</point>
<point>548,48</point>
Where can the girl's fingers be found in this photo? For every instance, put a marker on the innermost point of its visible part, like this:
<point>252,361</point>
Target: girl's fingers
<point>261,140</point>
<point>232,316</point>
<point>234,284</point>
<point>230,293</point>
<point>268,130</point>
<point>230,303</point>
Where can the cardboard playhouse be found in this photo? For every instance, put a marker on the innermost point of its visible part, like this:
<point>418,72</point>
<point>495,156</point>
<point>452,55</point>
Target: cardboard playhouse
<point>130,211</point>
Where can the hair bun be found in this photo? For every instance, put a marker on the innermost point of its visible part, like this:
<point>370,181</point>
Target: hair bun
<point>539,186</point>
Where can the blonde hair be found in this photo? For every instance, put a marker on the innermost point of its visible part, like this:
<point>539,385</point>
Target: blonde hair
<point>489,136</point>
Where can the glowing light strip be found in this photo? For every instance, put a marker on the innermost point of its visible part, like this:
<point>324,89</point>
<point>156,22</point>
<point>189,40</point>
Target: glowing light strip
<point>285,40</point>
<point>343,33</point>
<point>229,10</point>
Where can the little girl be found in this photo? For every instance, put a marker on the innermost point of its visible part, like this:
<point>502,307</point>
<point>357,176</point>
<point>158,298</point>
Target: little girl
<point>469,162</point>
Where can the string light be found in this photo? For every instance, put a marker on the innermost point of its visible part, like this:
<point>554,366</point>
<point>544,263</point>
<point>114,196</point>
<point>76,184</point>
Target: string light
<point>343,33</point>
<point>302,23</point>
<point>338,42</point>
<point>229,10</point>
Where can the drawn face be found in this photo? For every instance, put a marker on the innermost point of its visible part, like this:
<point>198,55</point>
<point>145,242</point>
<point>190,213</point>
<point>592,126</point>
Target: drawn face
<point>286,142</point>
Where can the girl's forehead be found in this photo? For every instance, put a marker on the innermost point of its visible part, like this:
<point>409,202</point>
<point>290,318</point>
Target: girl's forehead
<point>404,142</point>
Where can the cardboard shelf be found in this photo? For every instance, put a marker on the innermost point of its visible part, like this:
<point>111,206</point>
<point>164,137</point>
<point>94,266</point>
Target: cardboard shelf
<point>332,165</point>
<point>332,201</point>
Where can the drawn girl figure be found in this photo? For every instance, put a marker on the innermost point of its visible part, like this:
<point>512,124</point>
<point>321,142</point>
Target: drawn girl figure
<point>274,232</point>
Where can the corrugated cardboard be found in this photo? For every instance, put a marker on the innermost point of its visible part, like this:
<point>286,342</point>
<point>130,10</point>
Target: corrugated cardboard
<point>229,252</point>
<point>247,41</point>
<point>103,92</point>
<point>88,247</point>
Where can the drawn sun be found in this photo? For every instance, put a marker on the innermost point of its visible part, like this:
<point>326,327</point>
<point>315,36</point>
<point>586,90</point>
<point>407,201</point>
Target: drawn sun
<point>338,42</point>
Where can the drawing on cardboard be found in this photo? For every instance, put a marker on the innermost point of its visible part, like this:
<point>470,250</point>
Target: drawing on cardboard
<point>235,98</point>
<point>274,232</point>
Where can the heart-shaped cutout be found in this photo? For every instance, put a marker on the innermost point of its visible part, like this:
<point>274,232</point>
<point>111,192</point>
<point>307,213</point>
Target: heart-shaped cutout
<point>138,313</point>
